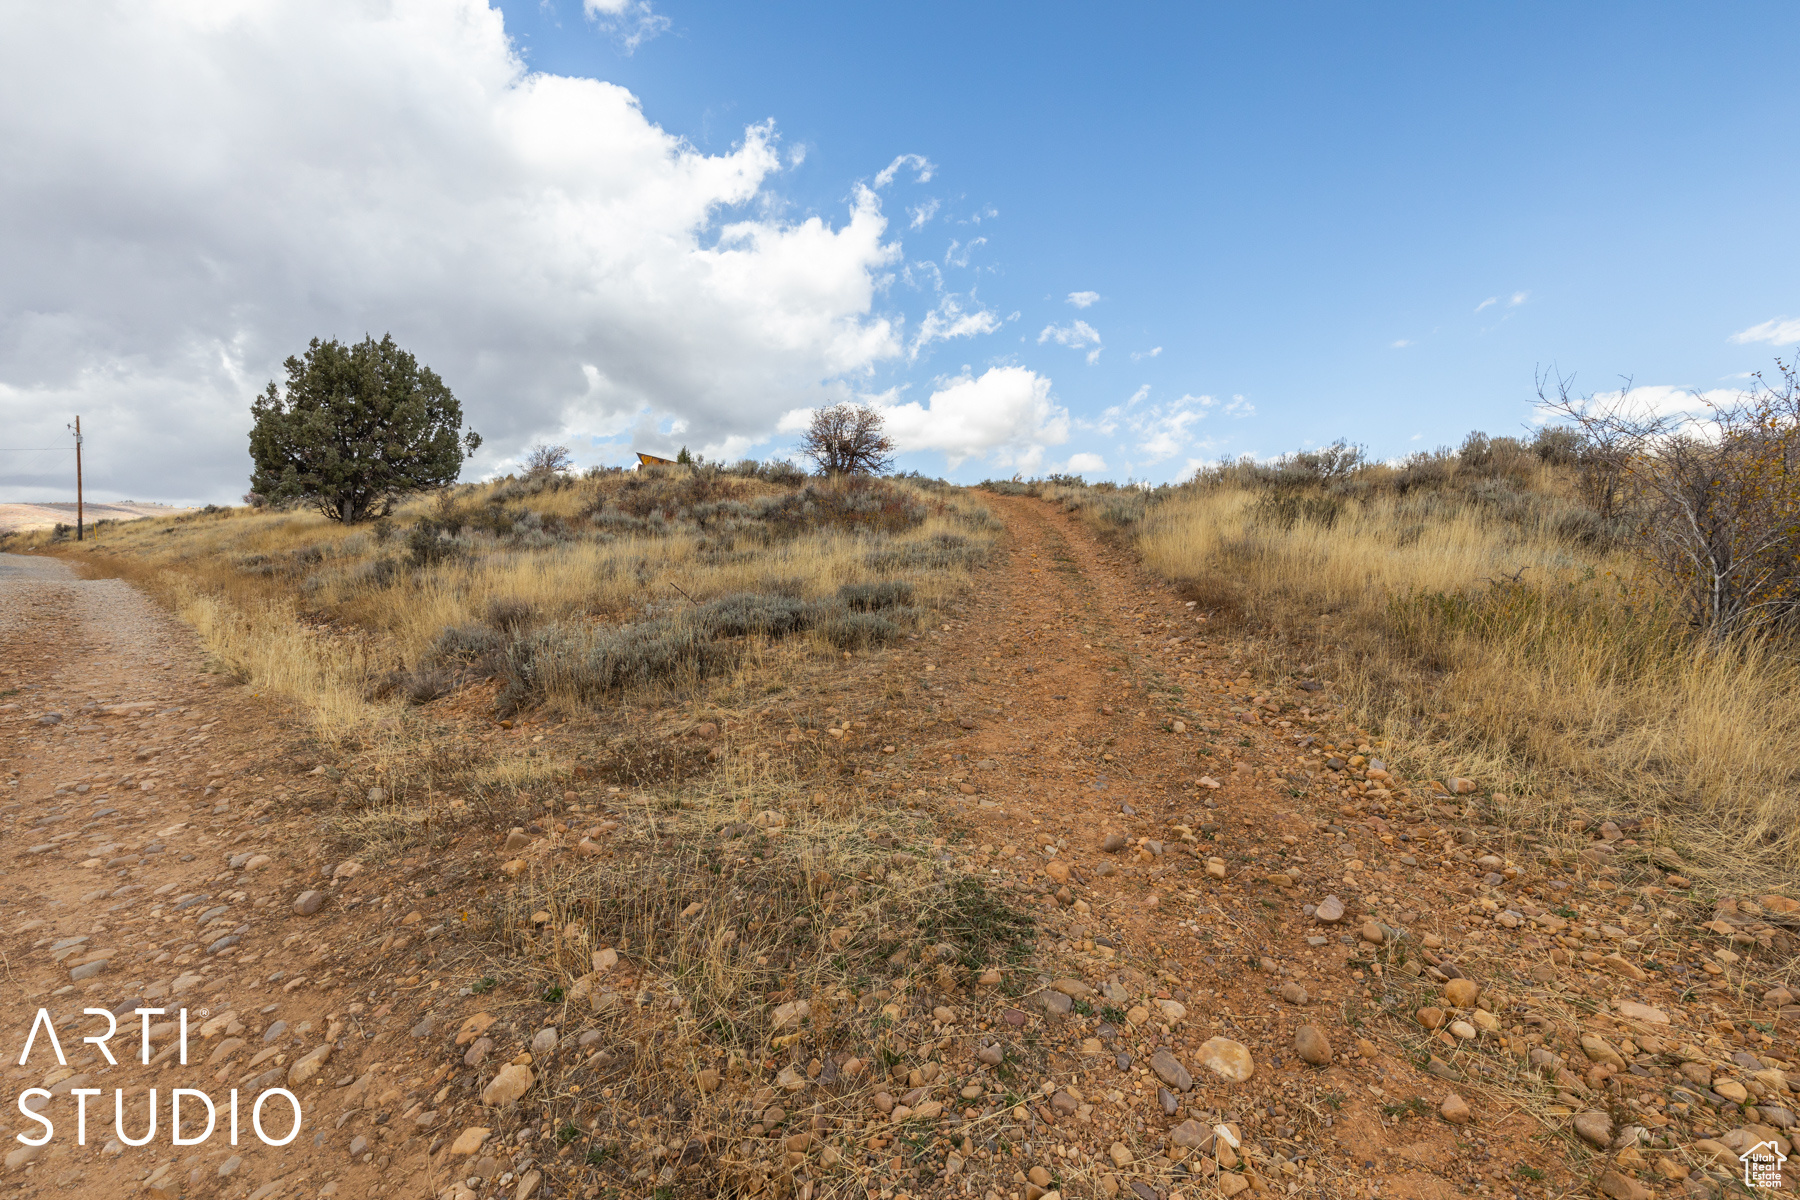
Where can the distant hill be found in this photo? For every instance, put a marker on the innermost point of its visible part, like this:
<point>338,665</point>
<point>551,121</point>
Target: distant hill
<point>15,518</point>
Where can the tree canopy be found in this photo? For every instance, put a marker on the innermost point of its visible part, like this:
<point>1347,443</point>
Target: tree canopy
<point>358,427</point>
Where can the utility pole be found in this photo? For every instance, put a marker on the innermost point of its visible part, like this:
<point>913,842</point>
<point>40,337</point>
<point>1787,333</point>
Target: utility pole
<point>80,509</point>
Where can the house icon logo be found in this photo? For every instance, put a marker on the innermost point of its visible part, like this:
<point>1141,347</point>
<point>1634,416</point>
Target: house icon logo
<point>1762,1165</point>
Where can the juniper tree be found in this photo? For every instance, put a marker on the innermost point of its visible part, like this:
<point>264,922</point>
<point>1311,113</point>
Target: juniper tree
<point>358,427</point>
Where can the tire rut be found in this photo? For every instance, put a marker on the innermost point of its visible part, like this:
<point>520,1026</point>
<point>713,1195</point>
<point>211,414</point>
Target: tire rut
<point>1123,787</point>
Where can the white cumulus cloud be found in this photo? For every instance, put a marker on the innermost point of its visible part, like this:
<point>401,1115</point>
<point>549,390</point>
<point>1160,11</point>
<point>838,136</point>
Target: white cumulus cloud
<point>192,191</point>
<point>1657,400</point>
<point>949,320</point>
<point>922,169</point>
<point>1081,464</point>
<point>1006,415</point>
<point>1782,331</point>
<point>1158,431</point>
<point>1077,335</point>
<point>1083,299</point>
<point>633,22</point>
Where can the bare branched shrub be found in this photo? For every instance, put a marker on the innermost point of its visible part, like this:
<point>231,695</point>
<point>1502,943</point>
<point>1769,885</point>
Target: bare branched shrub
<point>848,439</point>
<point>1713,500</point>
<point>545,459</point>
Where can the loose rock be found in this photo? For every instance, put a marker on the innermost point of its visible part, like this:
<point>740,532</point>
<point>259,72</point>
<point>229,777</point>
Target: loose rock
<point>1227,1059</point>
<point>1313,1046</point>
<point>1192,1135</point>
<point>1461,993</point>
<point>512,1082</point>
<point>1594,1128</point>
<point>1632,1010</point>
<point>1621,1187</point>
<point>1168,1068</point>
<point>309,1066</point>
<point>789,1015</point>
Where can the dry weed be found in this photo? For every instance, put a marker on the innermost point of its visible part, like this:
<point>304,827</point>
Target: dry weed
<point>752,919</point>
<point>1502,644</point>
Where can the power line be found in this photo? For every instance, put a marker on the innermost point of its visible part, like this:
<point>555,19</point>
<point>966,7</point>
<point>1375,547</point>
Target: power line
<point>30,449</point>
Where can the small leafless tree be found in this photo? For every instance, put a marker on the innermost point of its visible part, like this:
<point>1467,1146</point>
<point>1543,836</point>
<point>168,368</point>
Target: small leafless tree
<point>1713,500</point>
<point>848,439</point>
<point>545,459</point>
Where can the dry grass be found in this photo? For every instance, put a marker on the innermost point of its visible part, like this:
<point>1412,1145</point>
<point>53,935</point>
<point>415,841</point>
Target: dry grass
<point>265,643</point>
<point>838,894</point>
<point>1490,632</point>
<point>319,613</point>
<point>724,917</point>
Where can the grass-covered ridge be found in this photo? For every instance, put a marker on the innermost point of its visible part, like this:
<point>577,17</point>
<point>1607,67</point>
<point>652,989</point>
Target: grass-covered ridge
<point>567,589</point>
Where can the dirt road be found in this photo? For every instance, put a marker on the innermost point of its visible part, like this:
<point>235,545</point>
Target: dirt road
<point>146,864</point>
<point>1121,758</point>
<point>1434,1006</point>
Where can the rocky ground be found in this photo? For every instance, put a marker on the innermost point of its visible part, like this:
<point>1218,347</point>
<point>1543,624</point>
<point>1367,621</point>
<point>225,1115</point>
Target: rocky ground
<point>1262,958</point>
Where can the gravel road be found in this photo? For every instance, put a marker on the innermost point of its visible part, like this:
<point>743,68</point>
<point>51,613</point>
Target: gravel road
<point>145,864</point>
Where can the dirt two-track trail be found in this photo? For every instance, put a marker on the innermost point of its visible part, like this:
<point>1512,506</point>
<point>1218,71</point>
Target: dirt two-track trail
<point>1164,819</point>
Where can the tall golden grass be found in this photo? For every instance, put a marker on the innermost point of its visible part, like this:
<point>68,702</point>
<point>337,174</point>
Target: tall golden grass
<point>1504,649</point>
<point>265,642</point>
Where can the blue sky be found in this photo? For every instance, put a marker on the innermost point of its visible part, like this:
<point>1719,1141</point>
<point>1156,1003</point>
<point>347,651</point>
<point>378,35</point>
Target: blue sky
<point>1136,237</point>
<point>1369,221</point>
